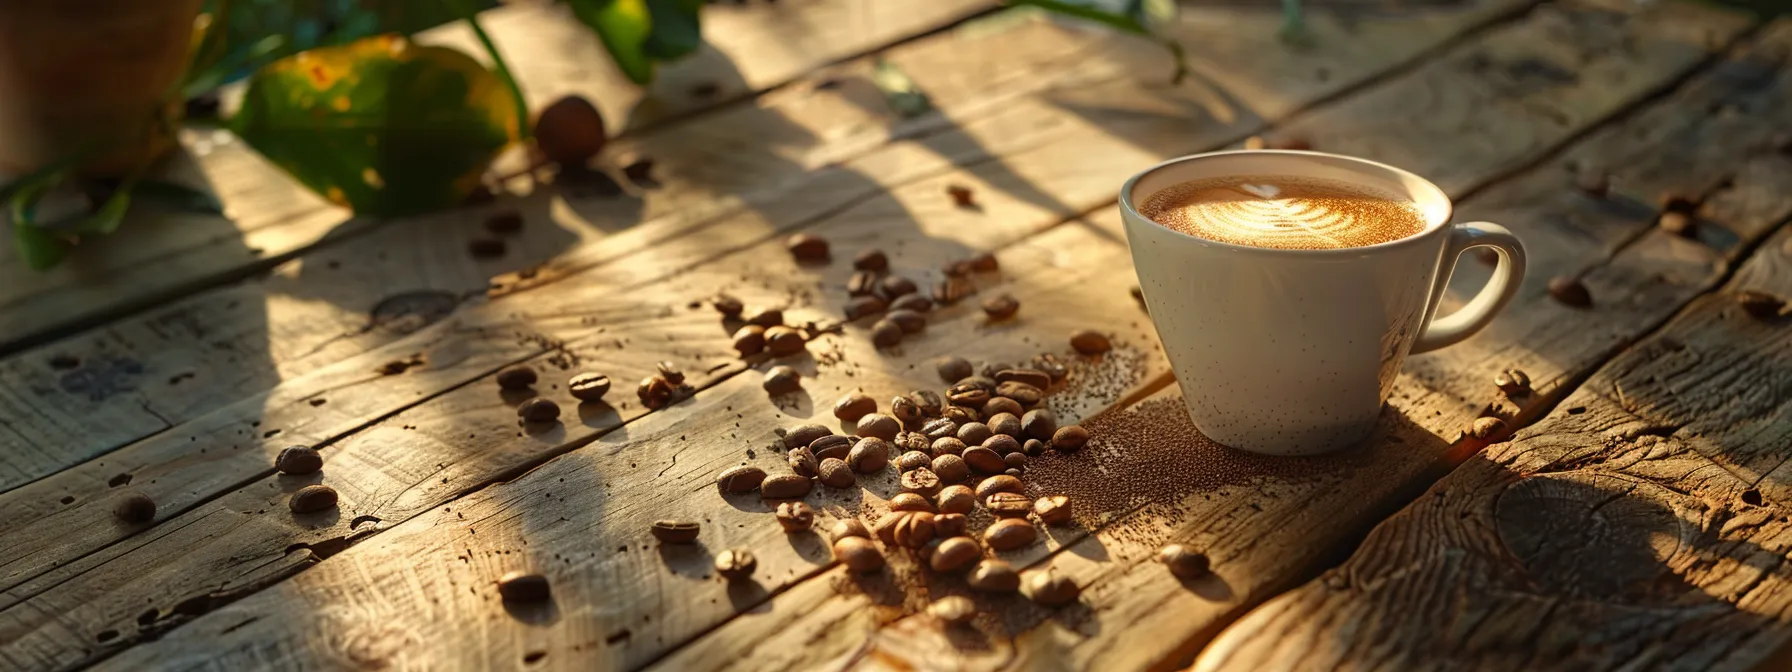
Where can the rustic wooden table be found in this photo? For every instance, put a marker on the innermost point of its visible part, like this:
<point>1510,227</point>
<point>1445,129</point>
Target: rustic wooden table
<point>1632,515</point>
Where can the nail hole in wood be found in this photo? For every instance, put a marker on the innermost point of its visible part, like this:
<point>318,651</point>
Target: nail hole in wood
<point>1751,497</point>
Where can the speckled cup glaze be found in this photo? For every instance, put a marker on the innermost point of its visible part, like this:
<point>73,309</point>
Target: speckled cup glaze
<point>1293,352</point>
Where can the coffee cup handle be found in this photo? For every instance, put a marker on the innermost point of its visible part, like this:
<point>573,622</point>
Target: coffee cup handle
<point>1453,328</point>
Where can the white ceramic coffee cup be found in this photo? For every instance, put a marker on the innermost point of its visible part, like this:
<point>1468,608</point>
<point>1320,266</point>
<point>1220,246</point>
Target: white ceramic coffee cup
<point>1293,352</point>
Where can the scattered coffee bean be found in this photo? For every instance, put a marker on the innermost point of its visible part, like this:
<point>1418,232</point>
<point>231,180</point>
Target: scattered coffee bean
<point>907,442</point>
<point>671,372</point>
<point>1676,223</point>
<point>957,499</point>
<point>1760,305</point>
<point>1069,438</point>
<point>1483,429</point>
<point>958,414</point>
<point>981,382</point>
<point>954,554</point>
<point>913,460</point>
<point>1022,393</point>
<point>894,287</point>
<point>906,411</point>
<point>914,303</point>
<point>521,586</point>
<point>654,392</point>
<point>538,410</point>
<point>1002,406</point>
<point>984,263</point>
<point>740,479</point>
<point>313,498</point>
<point>834,473</point>
<point>787,486</point>
<point>766,317</point>
<point>939,428</point>
<point>675,531</point>
<point>1000,307</point>
<point>807,247</point>
<point>950,468</point>
<point>803,435</point>
<point>486,248</point>
<point>952,290</point>
<point>869,455</point>
<point>1008,505</point>
<point>1033,377</point>
<point>886,334</point>
<point>1013,472</point>
<point>782,380</point>
<point>990,370</point>
<point>1090,342</point>
<point>832,445</point>
<point>299,460</point>
<point>908,529</point>
<point>1053,509</point>
<point>1039,423</point>
<point>994,576</point>
<point>878,425</point>
<point>134,507</point>
<point>1005,424</point>
<point>1000,483</point>
<point>952,369</point>
<point>908,501</point>
<point>928,401</point>
<point>968,395</point>
<point>961,196</point>
<point>517,377</point>
<point>1001,444</point>
<point>974,433</point>
<point>783,341</point>
<point>984,460</point>
<point>854,406</point>
<point>863,306</point>
<point>736,564</point>
<point>871,260</point>
<point>728,305</point>
<point>1008,534</point>
<point>1184,563</point>
<point>1051,367</point>
<point>588,386</point>
<point>848,527</point>
<point>804,463</point>
<point>948,445</point>
<point>921,482</point>
<point>910,322</point>
<point>863,284</point>
<point>858,554</point>
<point>1569,291</point>
<point>947,525</point>
<point>749,340</point>
<point>1050,588</point>
<point>795,516</point>
<point>1512,381</point>
<point>1015,460</point>
<point>1032,447</point>
<point>953,609</point>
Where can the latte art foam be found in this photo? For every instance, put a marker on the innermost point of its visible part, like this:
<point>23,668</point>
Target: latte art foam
<point>1290,213</point>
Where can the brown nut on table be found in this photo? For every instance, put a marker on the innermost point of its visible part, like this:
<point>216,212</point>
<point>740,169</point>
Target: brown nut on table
<point>134,507</point>
<point>803,462</point>
<point>832,445</point>
<point>952,368</point>
<point>953,610</point>
<point>834,473</point>
<point>953,554</point>
<point>848,527</point>
<point>999,483</point>
<point>675,531</point>
<point>912,460</point>
<point>795,516</point>
<point>803,435</point>
<point>950,468</point>
<point>1039,423</point>
<point>984,460</point>
<point>785,486</point>
<point>854,406</point>
<point>1050,588</point>
<point>949,524</point>
<point>1052,509</point>
<point>736,564</point>
<point>782,380</point>
<point>1008,505</point>
<point>1184,563</point>
<point>1034,377</point>
<point>1070,438</point>
<point>909,529</point>
<point>858,554</point>
<point>1090,342</point>
<point>869,455</point>
<point>909,501</point>
<point>740,479</point>
<point>654,392</point>
<point>749,340</point>
<point>538,410</point>
<point>1008,534</point>
<point>994,576</point>
<point>521,586</point>
<point>922,482</point>
<point>1005,424</point>
<point>313,498</point>
<point>957,499</point>
<point>878,425</point>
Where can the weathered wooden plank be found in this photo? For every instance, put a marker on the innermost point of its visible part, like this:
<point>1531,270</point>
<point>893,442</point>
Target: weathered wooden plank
<point>1612,535</point>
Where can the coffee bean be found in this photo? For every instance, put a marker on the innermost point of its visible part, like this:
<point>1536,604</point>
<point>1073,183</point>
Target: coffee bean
<point>1184,563</point>
<point>878,425</point>
<point>908,501</point>
<point>863,306</point>
<point>1039,423</point>
<point>906,411</point>
<point>990,370</point>
<point>654,392</point>
<point>1484,429</point>
<point>804,463</point>
<point>670,372</point>
<point>588,386</point>
<point>736,564</point>
<point>727,305</point>
<point>886,334</point>
<point>1090,342</point>
<point>911,461</point>
<point>787,486</point>
<point>740,479</point>
<point>782,341</point>
<point>1760,305</point>
<point>766,317</point>
<point>1000,307</point>
<point>858,554</point>
<point>974,433</point>
<point>939,428</point>
<point>517,377</point>
<point>1512,381</point>
<point>1032,446</point>
<point>961,196</point>
<point>895,286</point>
<point>782,380</point>
<point>1050,588</point>
<point>947,525</point>
<point>1005,424</point>
<point>870,455</point>
<point>521,586</point>
<point>134,507</point>
<point>984,263</point>
<point>538,410</point>
<point>803,435</point>
<point>959,414</point>
<point>1033,377</point>
<point>795,516</point>
<point>1008,505</point>
<point>994,576</point>
<point>298,461</point>
<point>1052,368</point>
<point>999,483</point>
<point>912,303</point>
<point>313,498</point>
<point>1069,438</point>
<point>848,527</point>
<point>984,460</point>
<point>1013,472</point>
<point>863,284</point>
<point>952,369</point>
<point>921,482</point>
<point>968,394</point>
<point>952,290</point>
<point>929,401</point>
<point>1676,223</point>
<point>835,474</point>
<point>832,445</point>
<point>953,609</point>
<point>948,445</point>
<point>950,468</point>
<point>749,340</point>
<point>807,247</point>
<point>1569,291</point>
<point>1008,534</point>
<point>854,406</point>
<point>1052,510</point>
<point>1026,394</point>
<point>1001,444</point>
<point>913,442</point>
<point>1002,406</point>
<point>954,554</point>
<point>486,248</point>
<point>910,322</point>
<point>871,260</point>
<point>911,529</point>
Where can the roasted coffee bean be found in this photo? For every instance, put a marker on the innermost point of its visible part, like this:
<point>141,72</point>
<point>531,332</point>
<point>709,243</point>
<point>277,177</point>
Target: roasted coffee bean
<point>671,372</point>
<point>952,290</point>
<point>299,460</point>
<point>1485,428</point>
<point>1039,423</point>
<point>1184,563</point>
<point>1015,460</point>
<point>1090,342</point>
<point>858,554</point>
<point>954,554</point>
<point>736,564</point>
<point>1026,394</point>
<point>766,317</point>
<point>1008,534</point>
<point>886,334</point>
<point>957,268</point>
<point>803,435</point>
<point>863,284</point>
<point>1033,377</point>
<point>486,248</point>
<point>134,507</point>
<point>538,410</point>
<point>990,370</point>
<point>786,486</point>
<point>913,460</point>
<point>1760,305</point>
<point>782,380</point>
<point>1032,447</point>
<point>950,524</point>
<point>854,406</point>
<point>1053,509</point>
<point>588,386</point>
<point>1002,444</point>
<point>1050,588</point>
<point>981,382</point>
<point>913,442</point>
<point>740,479</point>
<point>313,498</point>
<point>974,433</point>
<point>952,369</point>
<point>1007,424</point>
<point>863,306</point>
<point>1675,222</point>
<point>807,247</point>
<point>984,263</point>
<point>957,499</point>
<point>913,303</point>
<point>984,460</point>
<point>958,414</point>
<point>1052,368</point>
<point>1002,406</point>
<point>950,468</point>
<point>834,473</point>
<point>1000,307</point>
<point>894,286</point>
<point>869,455</point>
<point>994,576</point>
<point>998,483</point>
<point>1069,438</point>
<point>910,322</point>
<point>962,196</point>
<point>1013,472</point>
<point>782,341</point>
<point>749,340</point>
<point>908,501</point>
<point>675,531</point>
<point>1569,291</point>
<point>517,377</point>
<point>1512,381</point>
<point>832,445</point>
<point>521,586</point>
<point>871,260</point>
<point>921,482</point>
<point>907,412</point>
<point>1008,505</point>
<point>727,305</point>
<point>848,527</point>
<point>928,401</point>
<point>911,529</point>
<point>804,463</point>
<point>953,609</point>
<point>948,445</point>
<point>878,425</point>
<point>795,516</point>
<point>938,428</point>
<point>654,392</point>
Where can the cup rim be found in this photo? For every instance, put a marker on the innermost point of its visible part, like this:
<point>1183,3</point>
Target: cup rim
<point>1431,228</point>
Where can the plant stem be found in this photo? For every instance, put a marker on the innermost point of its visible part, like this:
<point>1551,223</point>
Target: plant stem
<point>516,92</point>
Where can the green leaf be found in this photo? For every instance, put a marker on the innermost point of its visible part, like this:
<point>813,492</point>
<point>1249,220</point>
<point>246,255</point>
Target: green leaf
<point>41,249</point>
<point>676,30</point>
<point>899,91</point>
<point>382,125</point>
<point>624,26</point>
<point>106,219</point>
<point>177,197</point>
<point>1118,20</point>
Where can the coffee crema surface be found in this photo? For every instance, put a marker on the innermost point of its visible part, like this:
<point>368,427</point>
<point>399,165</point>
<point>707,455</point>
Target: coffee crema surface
<point>1283,212</point>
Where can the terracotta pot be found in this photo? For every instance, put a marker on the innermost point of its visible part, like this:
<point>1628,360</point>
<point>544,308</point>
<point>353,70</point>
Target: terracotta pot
<point>76,74</point>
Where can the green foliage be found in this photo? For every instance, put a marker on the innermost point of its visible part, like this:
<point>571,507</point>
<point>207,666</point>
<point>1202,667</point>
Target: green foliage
<point>381,125</point>
<point>900,92</point>
<point>1139,17</point>
<point>640,33</point>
